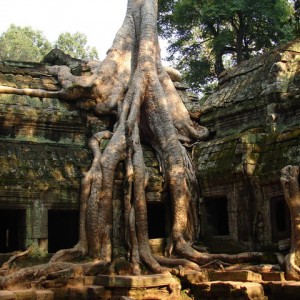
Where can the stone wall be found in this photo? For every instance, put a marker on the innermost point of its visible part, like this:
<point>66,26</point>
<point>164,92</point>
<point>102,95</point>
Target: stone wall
<point>254,122</point>
<point>43,155</point>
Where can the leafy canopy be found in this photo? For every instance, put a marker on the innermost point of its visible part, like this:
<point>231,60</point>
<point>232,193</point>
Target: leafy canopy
<point>23,43</point>
<point>206,36</point>
<point>27,44</point>
<point>76,46</point>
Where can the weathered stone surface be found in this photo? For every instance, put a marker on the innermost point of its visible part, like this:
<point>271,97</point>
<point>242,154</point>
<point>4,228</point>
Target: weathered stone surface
<point>253,118</point>
<point>229,290</point>
<point>7,295</point>
<point>141,281</point>
<point>25,294</point>
<point>80,293</point>
<point>89,280</point>
<point>95,291</point>
<point>158,246</point>
<point>44,295</point>
<point>156,286</point>
<point>242,276</point>
<point>282,290</point>
<point>273,276</point>
<point>196,277</point>
<point>61,293</point>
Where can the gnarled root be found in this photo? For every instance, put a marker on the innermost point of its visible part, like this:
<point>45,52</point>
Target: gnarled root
<point>290,184</point>
<point>7,265</point>
<point>39,273</point>
<point>89,197</point>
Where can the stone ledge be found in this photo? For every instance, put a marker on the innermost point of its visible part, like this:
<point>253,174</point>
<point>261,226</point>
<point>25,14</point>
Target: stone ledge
<point>288,290</point>
<point>196,277</point>
<point>242,276</point>
<point>146,281</point>
<point>25,294</point>
<point>273,276</point>
<point>229,290</point>
<point>7,295</point>
<point>44,295</point>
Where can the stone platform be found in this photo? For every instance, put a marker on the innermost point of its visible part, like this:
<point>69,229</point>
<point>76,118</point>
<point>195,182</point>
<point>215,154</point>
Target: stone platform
<point>204,285</point>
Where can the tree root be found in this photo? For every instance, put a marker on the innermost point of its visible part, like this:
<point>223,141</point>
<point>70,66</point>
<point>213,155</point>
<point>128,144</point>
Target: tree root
<point>290,184</point>
<point>40,273</point>
<point>6,266</point>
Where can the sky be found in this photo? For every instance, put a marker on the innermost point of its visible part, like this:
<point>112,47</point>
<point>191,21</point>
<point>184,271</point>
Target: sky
<point>99,20</point>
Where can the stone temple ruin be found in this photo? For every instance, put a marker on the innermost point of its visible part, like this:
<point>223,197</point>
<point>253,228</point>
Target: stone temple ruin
<point>254,124</point>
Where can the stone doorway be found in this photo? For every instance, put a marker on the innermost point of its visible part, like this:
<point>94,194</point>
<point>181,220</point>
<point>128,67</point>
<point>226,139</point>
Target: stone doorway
<point>157,225</point>
<point>216,216</point>
<point>280,219</point>
<point>63,229</point>
<point>12,230</point>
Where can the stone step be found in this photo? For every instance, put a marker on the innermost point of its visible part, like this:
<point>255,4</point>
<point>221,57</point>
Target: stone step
<point>272,276</point>
<point>287,290</point>
<point>7,295</point>
<point>156,286</point>
<point>196,277</point>
<point>146,281</point>
<point>242,276</point>
<point>44,295</point>
<point>229,290</point>
<point>27,295</point>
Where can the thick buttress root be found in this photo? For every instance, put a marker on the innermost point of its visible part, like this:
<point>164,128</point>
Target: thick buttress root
<point>132,84</point>
<point>290,184</point>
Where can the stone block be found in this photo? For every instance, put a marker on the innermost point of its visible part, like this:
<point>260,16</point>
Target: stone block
<point>44,295</point>
<point>25,295</point>
<point>76,281</point>
<point>273,276</point>
<point>96,292</point>
<point>80,293</point>
<point>146,281</point>
<point>88,280</point>
<point>229,290</point>
<point>157,246</point>
<point>7,295</point>
<point>243,276</point>
<point>196,277</point>
<point>287,290</point>
<point>61,293</point>
<point>291,290</point>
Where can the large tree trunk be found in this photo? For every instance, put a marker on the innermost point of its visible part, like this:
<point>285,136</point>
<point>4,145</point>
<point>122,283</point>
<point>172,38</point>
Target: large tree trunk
<point>132,83</point>
<point>290,184</point>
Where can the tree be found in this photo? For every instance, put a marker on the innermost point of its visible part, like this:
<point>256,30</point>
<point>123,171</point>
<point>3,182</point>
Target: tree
<point>132,84</point>
<point>24,44</point>
<point>27,44</point>
<point>76,46</point>
<point>202,33</point>
<point>290,185</point>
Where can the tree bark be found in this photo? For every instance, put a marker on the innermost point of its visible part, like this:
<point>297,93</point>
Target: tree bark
<point>290,184</point>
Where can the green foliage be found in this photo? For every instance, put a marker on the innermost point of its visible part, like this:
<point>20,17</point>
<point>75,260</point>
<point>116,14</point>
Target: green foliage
<point>27,44</point>
<point>203,34</point>
<point>24,44</point>
<point>75,45</point>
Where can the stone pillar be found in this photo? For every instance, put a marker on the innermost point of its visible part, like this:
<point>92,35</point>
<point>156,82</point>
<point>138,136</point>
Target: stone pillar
<point>39,225</point>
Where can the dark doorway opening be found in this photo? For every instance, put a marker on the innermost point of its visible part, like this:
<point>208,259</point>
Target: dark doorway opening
<point>156,213</point>
<point>217,216</point>
<point>12,230</point>
<point>63,227</point>
<point>280,219</point>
